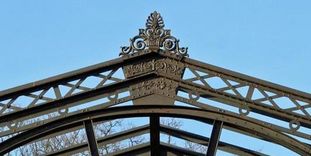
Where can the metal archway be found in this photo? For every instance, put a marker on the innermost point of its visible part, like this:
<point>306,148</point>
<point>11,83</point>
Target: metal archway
<point>218,117</point>
<point>155,73</point>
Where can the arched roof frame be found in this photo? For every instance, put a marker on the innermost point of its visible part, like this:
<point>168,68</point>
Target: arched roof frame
<point>156,73</point>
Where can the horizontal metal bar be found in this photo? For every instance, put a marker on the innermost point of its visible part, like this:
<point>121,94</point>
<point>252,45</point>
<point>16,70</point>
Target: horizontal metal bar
<point>178,150</point>
<point>134,150</point>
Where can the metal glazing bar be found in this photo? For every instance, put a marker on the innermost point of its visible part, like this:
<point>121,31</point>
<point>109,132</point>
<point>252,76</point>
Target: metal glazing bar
<point>195,138</point>
<point>155,135</point>
<point>140,149</point>
<point>91,139</point>
<point>178,151</point>
<point>216,132</point>
<point>119,136</point>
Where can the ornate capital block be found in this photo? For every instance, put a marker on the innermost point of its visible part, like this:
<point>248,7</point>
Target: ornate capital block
<point>154,38</point>
<point>159,86</point>
<point>158,90</point>
<point>155,91</point>
<point>165,66</point>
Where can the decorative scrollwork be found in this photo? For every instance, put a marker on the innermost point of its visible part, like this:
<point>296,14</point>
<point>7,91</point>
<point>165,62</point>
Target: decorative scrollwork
<point>154,38</point>
<point>160,86</point>
<point>294,125</point>
<point>164,66</point>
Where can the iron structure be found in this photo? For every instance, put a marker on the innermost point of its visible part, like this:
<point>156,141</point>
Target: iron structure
<point>156,74</point>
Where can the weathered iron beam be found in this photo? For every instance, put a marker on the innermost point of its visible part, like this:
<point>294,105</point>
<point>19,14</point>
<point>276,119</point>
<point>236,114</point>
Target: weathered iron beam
<point>247,78</point>
<point>75,98</point>
<point>168,111</point>
<point>254,106</point>
<point>91,139</point>
<point>215,136</point>
<point>72,75</point>
<point>165,129</point>
<point>155,135</point>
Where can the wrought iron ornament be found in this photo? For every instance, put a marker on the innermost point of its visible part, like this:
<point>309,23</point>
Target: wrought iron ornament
<point>154,39</point>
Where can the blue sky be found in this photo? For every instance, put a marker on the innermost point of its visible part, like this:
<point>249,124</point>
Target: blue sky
<point>262,38</point>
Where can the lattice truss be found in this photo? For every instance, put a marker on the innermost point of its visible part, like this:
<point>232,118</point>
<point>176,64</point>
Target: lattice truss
<point>76,102</point>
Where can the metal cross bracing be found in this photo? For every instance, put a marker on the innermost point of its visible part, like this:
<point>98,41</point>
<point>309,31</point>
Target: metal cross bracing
<point>156,75</point>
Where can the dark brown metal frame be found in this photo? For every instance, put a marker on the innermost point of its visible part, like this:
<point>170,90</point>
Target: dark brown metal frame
<point>154,68</point>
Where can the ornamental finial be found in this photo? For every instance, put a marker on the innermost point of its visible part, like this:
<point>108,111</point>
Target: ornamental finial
<point>154,38</point>
<point>155,21</point>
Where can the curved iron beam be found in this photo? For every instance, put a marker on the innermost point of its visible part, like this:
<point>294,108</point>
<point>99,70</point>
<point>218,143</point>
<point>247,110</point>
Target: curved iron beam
<point>276,127</point>
<point>258,108</point>
<point>163,129</point>
<point>89,94</point>
<point>67,106</point>
<point>279,114</point>
<point>254,83</point>
<point>170,111</point>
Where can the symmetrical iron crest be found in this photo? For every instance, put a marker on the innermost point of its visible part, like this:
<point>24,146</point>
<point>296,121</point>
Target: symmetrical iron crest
<point>154,38</point>
<point>151,75</point>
